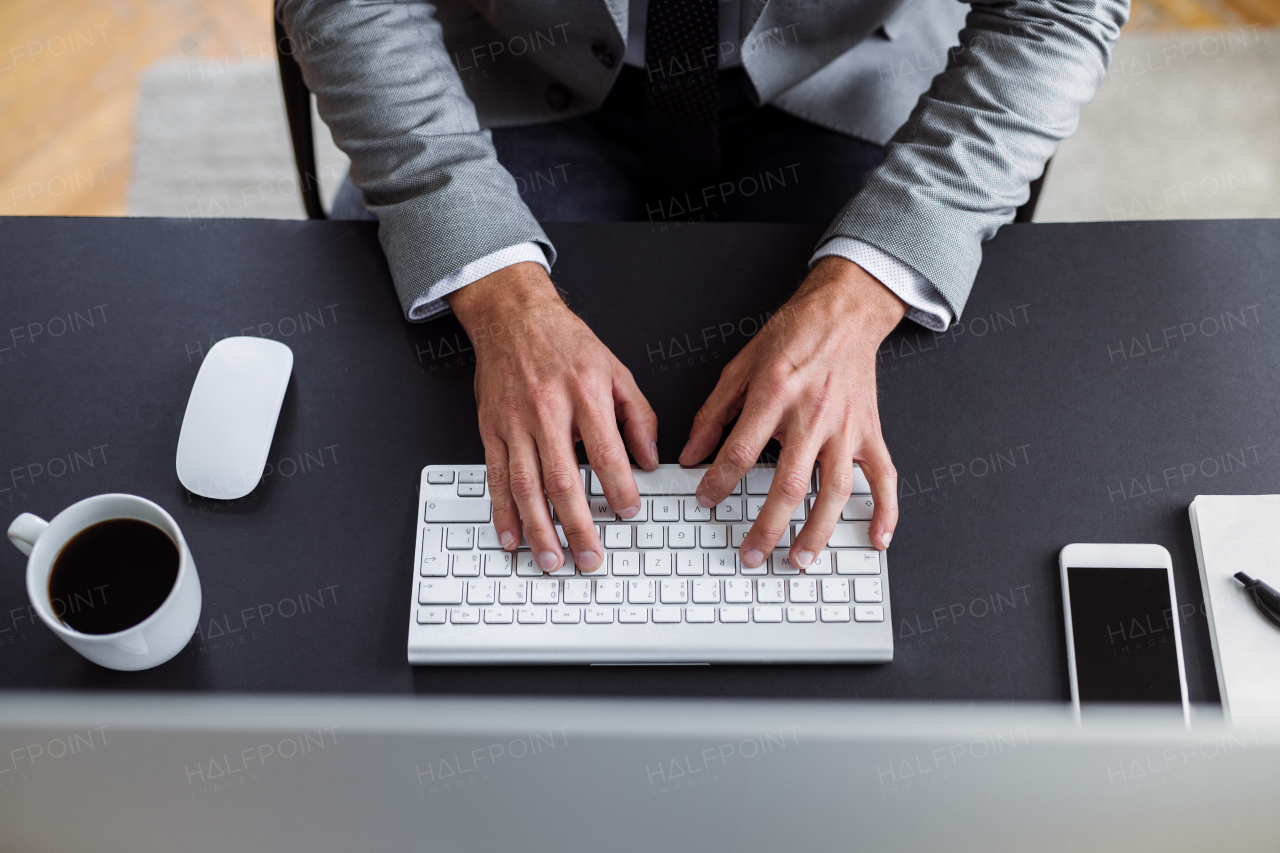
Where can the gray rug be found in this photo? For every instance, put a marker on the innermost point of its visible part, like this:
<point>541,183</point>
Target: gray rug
<point>1185,127</point>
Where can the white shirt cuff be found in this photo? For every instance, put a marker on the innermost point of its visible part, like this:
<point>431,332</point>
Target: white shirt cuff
<point>925,304</point>
<point>431,304</point>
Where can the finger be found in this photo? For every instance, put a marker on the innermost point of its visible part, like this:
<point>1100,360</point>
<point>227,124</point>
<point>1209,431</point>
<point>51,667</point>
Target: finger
<point>740,451</point>
<point>721,407</point>
<point>526,488</point>
<point>835,462</point>
<point>608,458</point>
<point>562,479</point>
<point>639,423</point>
<point>506,515</point>
<point>790,486</point>
<point>883,478</point>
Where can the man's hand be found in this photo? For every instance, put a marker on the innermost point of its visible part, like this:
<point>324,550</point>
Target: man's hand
<point>808,379</point>
<point>543,383</point>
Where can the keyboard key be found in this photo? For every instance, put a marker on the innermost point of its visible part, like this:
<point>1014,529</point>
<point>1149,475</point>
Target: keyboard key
<point>835,590</point>
<point>706,592</point>
<point>834,614</point>
<point>467,565</point>
<point>577,592</point>
<point>867,590</point>
<point>526,565</point>
<point>566,570</point>
<point>747,571</point>
<point>857,562</point>
<point>464,616</point>
<point>674,592</point>
<point>440,591</point>
<point>625,563</point>
<point>737,591</point>
<point>432,615</point>
<point>497,565</point>
<point>666,614</point>
<point>434,565</point>
<point>722,563</point>
<point>471,490</point>
<point>802,591</point>
<point>633,615</point>
<point>656,562</point>
<point>599,615</point>
<point>487,537</point>
<point>759,480</point>
<point>432,538</point>
<point>471,475</point>
<point>694,511</point>
<point>699,614</point>
<point>712,536</point>
<point>667,481</point>
<point>755,505</point>
<point>545,592</point>
<point>681,536</point>
<point>617,536</point>
<point>860,484</point>
<point>458,509</point>
<point>566,615</point>
<point>869,613</point>
<point>729,509</point>
<point>531,615</point>
<point>649,535</point>
<point>460,537</point>
<point>780,562</point>
<point>740,532</point>
<point>856,534</point>
<point>479,592</point>
<point>564,540</point>
<point>734,614</point>
<point>609,591</point>
<point>766,614</point>
<point>512,592</point>
<point>437,478</point>
<point>642,591</point>
<point>801,614</point>
<point>666,509</point>
<point>690,562</point>
<point>600,510</point>
<point>770,591</point>
<point>498,615</point>
<point>821,564</point>
<point>857,508</point>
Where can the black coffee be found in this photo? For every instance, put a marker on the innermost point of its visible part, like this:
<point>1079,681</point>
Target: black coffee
<point>112,575</point>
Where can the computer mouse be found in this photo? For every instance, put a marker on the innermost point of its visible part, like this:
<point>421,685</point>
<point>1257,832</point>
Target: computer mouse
<point>231,416</point>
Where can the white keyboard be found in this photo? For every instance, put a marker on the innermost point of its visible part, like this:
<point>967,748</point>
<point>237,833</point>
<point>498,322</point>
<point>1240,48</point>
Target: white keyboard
<point>671,588</point>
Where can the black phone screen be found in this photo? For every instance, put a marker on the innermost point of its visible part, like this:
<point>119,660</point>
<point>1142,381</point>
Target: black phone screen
<point>1122,624</point>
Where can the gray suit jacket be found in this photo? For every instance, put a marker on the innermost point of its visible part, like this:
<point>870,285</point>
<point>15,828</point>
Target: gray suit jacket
<point>971,107</point>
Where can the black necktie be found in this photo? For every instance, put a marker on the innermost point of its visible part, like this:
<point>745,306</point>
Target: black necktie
<point>682,145</point>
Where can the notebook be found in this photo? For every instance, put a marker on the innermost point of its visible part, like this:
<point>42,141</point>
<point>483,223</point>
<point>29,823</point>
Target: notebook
<point>1240,533</point>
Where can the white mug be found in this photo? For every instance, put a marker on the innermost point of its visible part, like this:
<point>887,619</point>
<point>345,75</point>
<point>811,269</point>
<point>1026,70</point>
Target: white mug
<point>152,641</point>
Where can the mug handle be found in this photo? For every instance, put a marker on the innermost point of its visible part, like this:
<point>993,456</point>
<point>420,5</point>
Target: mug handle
<point>25,530</point>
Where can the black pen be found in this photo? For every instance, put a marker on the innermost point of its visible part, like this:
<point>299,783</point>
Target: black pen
<point>1266,599</point>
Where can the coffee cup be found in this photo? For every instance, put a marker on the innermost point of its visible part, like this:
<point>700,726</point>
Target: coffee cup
<point>101,576</point>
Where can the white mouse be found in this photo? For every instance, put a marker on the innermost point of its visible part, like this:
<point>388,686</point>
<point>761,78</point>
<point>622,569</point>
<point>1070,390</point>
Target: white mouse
<point>231,416</point>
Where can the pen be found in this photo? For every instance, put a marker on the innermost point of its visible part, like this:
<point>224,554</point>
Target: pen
<point>1266,599</point>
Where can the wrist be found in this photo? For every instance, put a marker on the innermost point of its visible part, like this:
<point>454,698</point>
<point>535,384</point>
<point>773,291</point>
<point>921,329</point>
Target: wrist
<point>520,291</point>
<point>858,293</point>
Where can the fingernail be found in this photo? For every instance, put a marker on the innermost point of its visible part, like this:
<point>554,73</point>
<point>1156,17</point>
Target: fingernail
<point>885,537</point>
<point>804,559</point>
<point>588,560</point>
<point>753,558</point>
<point>705,502</point>
<point>653,451</point>
<point>507,539</point>
<point>548,560</point>
<point>630,512</point>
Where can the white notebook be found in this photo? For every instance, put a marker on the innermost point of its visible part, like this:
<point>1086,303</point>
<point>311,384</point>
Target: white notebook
<point>1240,533</point>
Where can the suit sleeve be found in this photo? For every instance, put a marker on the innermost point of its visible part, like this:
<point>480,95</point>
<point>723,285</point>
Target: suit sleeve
<point>960,166</point>
<point>385,86</point>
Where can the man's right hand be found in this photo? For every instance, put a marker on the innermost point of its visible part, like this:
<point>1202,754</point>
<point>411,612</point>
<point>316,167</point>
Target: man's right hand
<point>544,382</point>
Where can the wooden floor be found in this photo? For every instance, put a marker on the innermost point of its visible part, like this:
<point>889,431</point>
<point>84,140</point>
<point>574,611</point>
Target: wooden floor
<point>69,72</point>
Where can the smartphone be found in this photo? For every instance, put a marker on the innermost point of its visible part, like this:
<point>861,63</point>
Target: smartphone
<point>1123,643</point>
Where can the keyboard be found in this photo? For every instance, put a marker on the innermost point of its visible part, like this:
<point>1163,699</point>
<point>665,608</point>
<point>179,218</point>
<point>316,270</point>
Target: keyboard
<point>671,588</point>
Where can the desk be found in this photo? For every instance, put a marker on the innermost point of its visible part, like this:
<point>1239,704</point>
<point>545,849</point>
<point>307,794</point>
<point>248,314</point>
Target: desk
<point>1104,374</point>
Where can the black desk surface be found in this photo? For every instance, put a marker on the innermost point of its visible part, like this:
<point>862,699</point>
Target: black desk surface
<point>1103,376</point>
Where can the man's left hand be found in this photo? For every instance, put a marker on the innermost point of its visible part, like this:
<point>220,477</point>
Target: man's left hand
<point>808,379</point>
